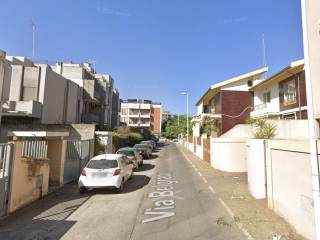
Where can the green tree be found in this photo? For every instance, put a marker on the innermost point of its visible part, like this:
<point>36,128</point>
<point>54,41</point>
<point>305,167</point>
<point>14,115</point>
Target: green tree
<point>176,126</point>
<point>209,124</point>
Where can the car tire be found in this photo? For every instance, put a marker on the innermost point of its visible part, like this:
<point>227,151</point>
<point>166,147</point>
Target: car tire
<point>120,189</point>
<point>82,190</point>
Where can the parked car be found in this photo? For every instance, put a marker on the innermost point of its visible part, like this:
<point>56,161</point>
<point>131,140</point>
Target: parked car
<point>154,138</point>
<point>133,154</point>
<point>175,140</point>
<point>150,143</point>
<point>106,171</point>
<point>146,150</point>
<point>162,140</point>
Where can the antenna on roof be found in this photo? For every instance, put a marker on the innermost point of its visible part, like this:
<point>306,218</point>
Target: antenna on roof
<point>264,55</point>
<point>33,26</point>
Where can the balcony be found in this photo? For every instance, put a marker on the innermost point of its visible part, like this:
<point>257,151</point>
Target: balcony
<point>264,109</point>
<point>133,125</point>
<point>22,108</point>
<point>90,118</point>
<point>92,91</point>
<point>144,115</point>
<point>134,114</point>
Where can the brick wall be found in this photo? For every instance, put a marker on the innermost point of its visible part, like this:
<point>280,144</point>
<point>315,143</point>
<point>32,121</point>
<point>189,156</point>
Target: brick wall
<point>233,103</point>
<point>155,124</point>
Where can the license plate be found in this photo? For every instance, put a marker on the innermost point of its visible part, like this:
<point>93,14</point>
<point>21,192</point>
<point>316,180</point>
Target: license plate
<point>100,174</point>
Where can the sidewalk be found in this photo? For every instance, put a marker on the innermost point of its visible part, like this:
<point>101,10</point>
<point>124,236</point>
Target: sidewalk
<point>252,215</point>
<point>45,218</point>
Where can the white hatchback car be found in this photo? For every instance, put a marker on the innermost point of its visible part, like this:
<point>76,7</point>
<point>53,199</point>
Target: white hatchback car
<point>106,171</point>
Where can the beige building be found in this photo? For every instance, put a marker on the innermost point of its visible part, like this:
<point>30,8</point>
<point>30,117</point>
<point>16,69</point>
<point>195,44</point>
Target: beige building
<point>142,113</point>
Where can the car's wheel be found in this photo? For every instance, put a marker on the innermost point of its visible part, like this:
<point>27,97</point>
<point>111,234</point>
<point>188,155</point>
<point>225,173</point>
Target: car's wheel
<point>82,190</point>
<point>120,189</point>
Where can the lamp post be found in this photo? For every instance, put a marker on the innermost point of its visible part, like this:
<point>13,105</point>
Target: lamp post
<point>185,93</point>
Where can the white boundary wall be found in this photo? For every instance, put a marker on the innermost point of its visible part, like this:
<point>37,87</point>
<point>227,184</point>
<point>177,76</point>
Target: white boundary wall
<point>229,154</point>
<point>256,168</point>
<point>289,183</point>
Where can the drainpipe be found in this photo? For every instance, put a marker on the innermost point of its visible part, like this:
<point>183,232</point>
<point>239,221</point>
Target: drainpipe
<point>299,100</point>
<point>312,123</point>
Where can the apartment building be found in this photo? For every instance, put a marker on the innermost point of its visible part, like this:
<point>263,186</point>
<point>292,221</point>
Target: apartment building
<point>166,115</point>
<point>142,113</point>
<point>229,101</point>
<point>37,94</point>
<point>97,91</point>
<point>116,108</point>
<point>283,95</point>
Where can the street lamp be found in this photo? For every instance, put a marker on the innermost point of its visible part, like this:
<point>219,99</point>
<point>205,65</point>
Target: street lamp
<point>185,93</point>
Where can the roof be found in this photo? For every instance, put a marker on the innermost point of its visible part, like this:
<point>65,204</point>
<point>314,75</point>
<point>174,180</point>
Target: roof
<point>216,87</point>
<point>107,156</point>
<point>38,134</point>
<point>293,68</point>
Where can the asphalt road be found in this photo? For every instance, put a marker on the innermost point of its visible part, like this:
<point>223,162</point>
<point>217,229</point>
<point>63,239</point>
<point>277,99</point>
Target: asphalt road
<point>166,199</point>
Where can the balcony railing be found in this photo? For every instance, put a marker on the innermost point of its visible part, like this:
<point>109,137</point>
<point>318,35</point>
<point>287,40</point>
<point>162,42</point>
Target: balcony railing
<point>260,106</point>
<point>22,108</point>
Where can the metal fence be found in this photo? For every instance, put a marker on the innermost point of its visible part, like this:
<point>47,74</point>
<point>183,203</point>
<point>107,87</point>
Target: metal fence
<point>5,171</point>
<point>35,149</point>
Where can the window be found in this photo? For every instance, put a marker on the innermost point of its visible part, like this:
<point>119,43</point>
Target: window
<point>102,164</point>
<point>249,83</point>
<point>289,116</point>
<point>289,92</point>
<point>266,97</point>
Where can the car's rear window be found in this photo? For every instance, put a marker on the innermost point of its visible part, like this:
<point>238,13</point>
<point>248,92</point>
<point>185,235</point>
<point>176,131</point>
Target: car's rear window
<point>126,152</point>
<point>102,164</point>
<point>140,146</point>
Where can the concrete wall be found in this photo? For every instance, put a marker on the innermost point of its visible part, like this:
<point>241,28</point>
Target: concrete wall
<point>272,106</point>
<point>256,167</point>
<point>73,103</point>
<point>284,130</point>
<point>228,154</point>
<point>82,131</point>
<point>289,183</point>
<point>24,174</point>
<point>53,95</point>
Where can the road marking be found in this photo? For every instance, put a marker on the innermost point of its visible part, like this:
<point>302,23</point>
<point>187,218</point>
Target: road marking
<point>229,211</point>
<point>212,190</point>
<point>205,180</point>
<point>240,226</point>
<point>200,174</point>
<point>163,199</point>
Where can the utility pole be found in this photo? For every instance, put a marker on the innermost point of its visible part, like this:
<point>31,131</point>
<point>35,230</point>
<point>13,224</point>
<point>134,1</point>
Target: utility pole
<point>185,93</point>
<point>310,12</point>
<point>264,55</point>
<point>33,26</point>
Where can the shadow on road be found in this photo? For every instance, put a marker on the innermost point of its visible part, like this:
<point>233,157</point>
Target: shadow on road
<point>145,167</point>
<point>45,218</point>
<point>133,184</point>
<point>153,156</point>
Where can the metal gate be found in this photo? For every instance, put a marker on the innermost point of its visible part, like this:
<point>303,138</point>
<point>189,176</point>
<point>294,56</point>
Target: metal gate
<point>206,149</point>
<point>5,173</point>
<point>77,156</point>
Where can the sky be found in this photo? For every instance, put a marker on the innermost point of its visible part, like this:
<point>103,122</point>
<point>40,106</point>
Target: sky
<point>155,49</point>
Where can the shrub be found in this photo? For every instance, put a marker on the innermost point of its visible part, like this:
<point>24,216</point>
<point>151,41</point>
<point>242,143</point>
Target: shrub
<point>124,137</point>
<point>99,148</point>
<point>264,130</point>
